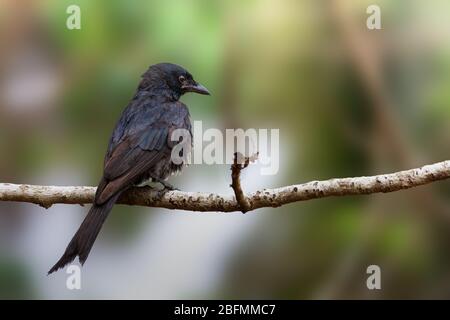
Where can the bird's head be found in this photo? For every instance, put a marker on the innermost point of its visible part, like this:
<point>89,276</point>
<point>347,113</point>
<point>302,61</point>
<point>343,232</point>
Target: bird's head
<point>172,77</point>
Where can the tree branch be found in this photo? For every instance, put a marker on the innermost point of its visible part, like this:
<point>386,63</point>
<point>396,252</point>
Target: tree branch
<point>46,196</point>
<point>240,162</point>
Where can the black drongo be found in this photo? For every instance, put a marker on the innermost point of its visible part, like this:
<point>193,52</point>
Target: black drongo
<point>139,149</point>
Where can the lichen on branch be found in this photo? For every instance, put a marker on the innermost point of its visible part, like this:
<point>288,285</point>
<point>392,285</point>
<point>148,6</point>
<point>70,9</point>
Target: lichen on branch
<point>46,196</point>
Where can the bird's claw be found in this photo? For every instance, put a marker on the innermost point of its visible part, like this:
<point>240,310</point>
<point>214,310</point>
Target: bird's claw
<point>169,187</point>
<point>160,193</point>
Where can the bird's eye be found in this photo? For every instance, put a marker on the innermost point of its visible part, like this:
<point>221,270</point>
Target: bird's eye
<point>181,79</point>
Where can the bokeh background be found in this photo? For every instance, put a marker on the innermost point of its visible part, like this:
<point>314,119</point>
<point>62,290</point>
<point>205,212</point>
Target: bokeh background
<point>348,102</point>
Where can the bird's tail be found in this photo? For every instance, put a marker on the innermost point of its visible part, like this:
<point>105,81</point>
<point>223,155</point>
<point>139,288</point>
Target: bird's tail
<point>83,240</point>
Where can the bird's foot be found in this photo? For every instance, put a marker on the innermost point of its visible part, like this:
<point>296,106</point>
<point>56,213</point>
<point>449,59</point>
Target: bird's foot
<point>167,186</point>
<point>161,192</point>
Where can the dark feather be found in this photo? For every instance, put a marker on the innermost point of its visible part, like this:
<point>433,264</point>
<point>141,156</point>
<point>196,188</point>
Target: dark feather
<point>83,240</point>
<point>139,148</point>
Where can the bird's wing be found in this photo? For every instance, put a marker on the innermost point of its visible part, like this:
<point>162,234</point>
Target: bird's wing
<point>128,153</point>
<point>131,158</point>
<point>139,149</point>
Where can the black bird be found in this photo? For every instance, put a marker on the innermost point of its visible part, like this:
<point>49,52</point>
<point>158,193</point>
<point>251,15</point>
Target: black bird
<point>139,149</point>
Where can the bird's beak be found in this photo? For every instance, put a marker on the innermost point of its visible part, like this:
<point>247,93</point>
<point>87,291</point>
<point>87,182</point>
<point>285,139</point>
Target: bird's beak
<point>196,87</point>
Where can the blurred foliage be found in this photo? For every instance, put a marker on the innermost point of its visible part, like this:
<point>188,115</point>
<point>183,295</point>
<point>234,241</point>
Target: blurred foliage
<point>15,281</point>
<point>270,64</point>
